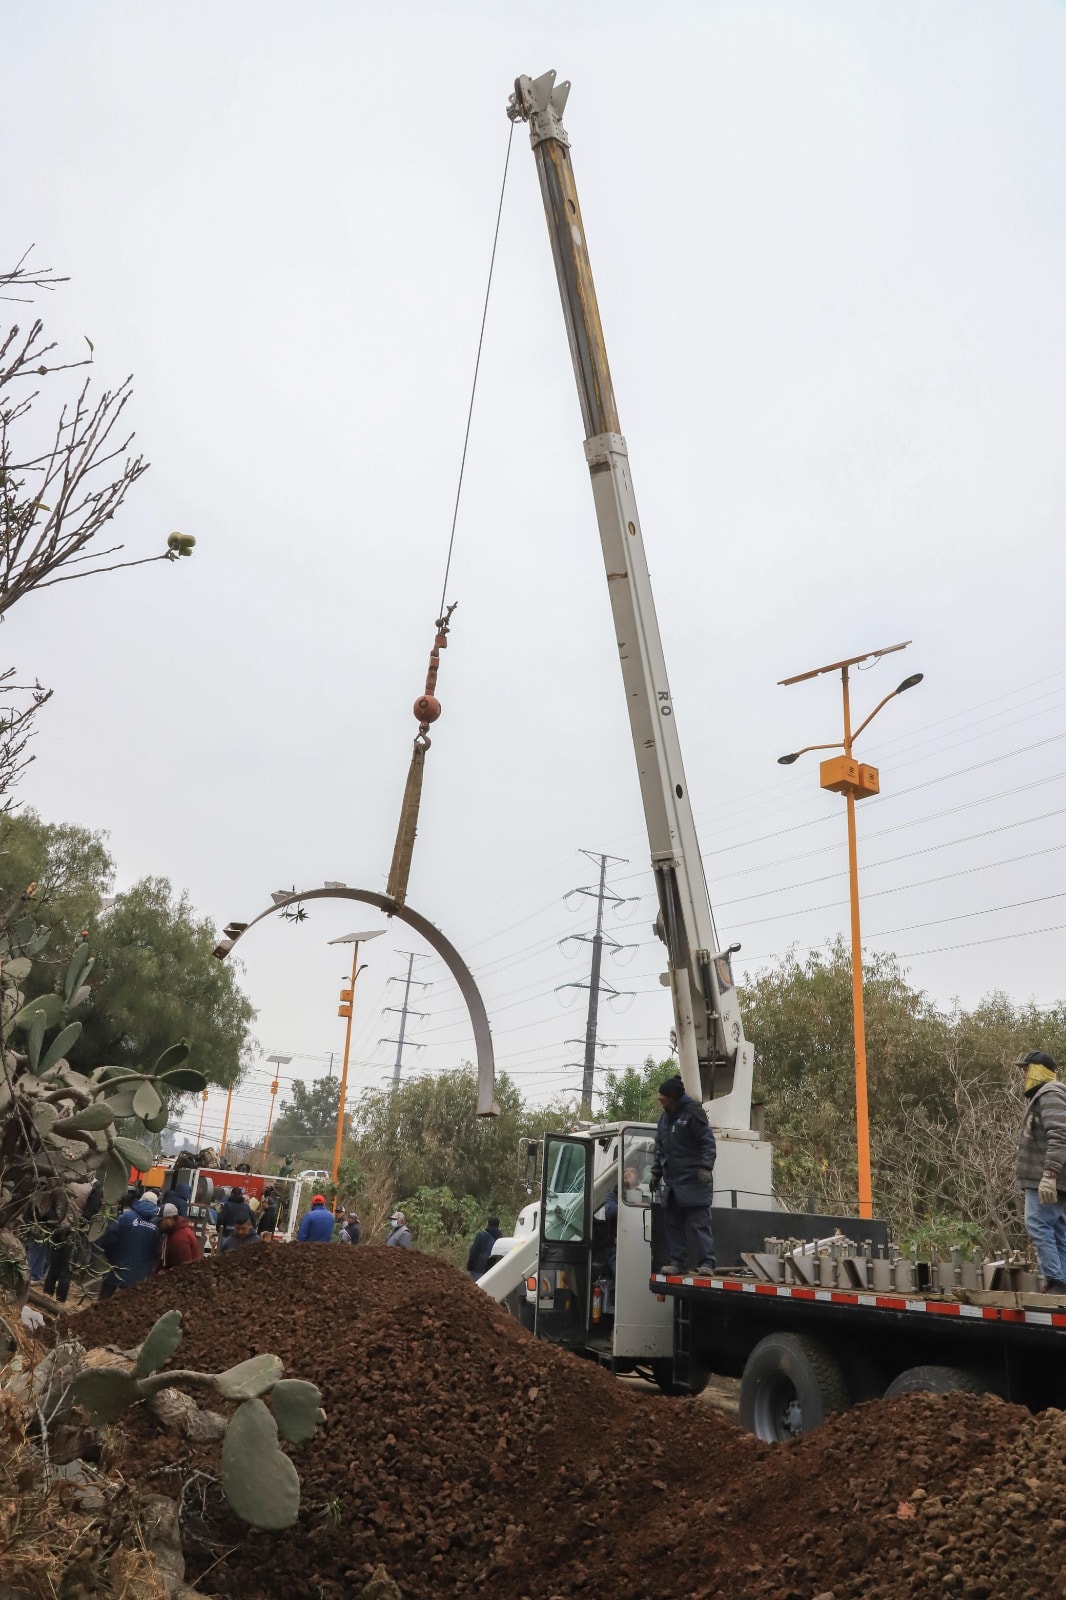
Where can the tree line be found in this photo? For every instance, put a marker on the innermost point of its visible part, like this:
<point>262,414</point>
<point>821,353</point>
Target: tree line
<point>944,1113</point>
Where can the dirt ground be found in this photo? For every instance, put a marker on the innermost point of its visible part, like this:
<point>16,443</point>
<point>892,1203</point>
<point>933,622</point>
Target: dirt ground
<point>468,1459</point>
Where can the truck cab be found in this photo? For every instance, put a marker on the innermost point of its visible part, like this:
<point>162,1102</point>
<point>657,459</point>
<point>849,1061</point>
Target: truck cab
<point>590,1287</point>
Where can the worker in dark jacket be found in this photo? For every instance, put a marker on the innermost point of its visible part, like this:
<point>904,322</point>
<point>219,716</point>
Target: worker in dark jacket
<point>480,1255</point>
<point>316,1225</point>
<point>267,1221</point>
<point>1041,1165</point>
<point>180,1196</point>
<point>684,1162</point>
<point>233,1209</point>
<point>131,1243</point>
<point>243,1233</point>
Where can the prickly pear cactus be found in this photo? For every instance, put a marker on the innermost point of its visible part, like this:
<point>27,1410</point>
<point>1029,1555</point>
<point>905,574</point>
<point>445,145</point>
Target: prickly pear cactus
<point>258,1479</point>
<point>58,1126</point>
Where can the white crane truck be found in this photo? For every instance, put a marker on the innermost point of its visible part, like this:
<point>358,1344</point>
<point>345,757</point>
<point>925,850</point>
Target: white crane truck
<point>812,1313</point>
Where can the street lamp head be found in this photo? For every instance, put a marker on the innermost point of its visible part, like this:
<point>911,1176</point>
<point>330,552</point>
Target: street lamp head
<point>786,761</point>
<point>912,682</point>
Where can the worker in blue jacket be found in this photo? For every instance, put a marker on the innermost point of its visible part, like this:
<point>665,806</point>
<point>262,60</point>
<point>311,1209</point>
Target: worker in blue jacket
<point>132,1244</point>
<point>685,1152</point>
<point>316,1225</point>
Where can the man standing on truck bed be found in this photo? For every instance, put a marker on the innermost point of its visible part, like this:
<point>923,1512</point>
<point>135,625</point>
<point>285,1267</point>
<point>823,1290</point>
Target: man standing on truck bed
<point>1039,1169</point>
<point>684,1159</point>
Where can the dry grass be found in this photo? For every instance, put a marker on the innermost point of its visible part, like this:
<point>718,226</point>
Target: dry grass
<point>51,1547</point>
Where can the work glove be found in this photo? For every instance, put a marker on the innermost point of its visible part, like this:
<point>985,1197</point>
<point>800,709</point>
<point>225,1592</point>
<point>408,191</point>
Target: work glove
<point>705,1175</point>
<point>1049,1188</point>
<point>655,1182</point>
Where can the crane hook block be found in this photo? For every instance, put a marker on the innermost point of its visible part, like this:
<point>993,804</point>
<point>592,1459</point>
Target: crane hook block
<point>427,709</point>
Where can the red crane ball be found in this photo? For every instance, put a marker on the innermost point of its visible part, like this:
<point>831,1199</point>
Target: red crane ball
<point>427,708</point>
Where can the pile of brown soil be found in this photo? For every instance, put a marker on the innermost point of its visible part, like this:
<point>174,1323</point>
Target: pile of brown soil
<point>467,1458</point>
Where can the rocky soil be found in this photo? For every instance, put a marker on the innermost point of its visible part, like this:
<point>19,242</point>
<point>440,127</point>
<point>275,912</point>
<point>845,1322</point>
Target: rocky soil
<point>468,1459</point>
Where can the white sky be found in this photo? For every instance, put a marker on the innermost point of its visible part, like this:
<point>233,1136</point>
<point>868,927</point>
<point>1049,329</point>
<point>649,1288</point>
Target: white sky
<point>830,248</point>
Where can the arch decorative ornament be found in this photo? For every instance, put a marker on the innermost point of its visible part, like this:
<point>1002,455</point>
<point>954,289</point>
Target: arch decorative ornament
<point>486,1062</point>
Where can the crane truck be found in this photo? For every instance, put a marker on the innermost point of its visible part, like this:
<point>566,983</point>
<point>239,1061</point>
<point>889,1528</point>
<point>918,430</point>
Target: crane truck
<point>813,1313</point>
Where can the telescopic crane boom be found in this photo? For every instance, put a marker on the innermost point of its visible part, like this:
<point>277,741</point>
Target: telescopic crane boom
<point>716,1060</point>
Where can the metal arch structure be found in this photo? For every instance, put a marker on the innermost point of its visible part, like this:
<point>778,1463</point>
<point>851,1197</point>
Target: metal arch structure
<point>486,1061</point>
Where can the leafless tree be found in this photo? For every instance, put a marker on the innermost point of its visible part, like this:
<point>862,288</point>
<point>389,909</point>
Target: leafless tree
<point>958,1164</point>
<point>19,703</point>
<point>61,483</point>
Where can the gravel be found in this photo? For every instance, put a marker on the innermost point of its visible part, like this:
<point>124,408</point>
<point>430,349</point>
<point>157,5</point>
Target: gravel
<point>466,1458</point>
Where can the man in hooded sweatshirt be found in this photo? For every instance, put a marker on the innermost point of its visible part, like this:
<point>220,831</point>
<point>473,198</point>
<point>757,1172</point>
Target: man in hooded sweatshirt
<point>180,1244</point>
<point>131,1243</point>
<point>316,1225</point>
<point>1040,1165</point>
<point>684,1162</point>
<point>480,1255</point>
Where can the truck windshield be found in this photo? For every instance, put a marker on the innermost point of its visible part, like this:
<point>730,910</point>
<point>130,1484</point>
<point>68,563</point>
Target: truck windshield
<point>564,1201</point>
<point>638,1154</point>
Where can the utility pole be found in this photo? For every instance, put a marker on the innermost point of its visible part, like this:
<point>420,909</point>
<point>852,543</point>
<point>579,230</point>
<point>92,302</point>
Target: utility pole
<point>345,1010</point>
<point>401,1041</point>
<point>595,985</point>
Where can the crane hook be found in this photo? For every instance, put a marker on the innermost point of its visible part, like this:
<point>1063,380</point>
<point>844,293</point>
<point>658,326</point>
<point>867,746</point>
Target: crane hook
<point>427,709</point>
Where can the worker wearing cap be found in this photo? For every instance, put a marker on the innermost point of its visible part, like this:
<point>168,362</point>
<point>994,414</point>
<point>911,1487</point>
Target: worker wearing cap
<point>1040,1165</point>
<point>684,1162</point>
<point>316,1225</point>
<point>180,1244</point>
<point>401,1233</point>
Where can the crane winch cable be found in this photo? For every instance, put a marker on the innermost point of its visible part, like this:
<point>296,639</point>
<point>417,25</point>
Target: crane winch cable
<point>427,707</point>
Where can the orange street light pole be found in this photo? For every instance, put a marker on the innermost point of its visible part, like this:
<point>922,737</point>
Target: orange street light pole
<point>225,1124</point>
<point>345,1010</point>
<point>844,775</point>
<point>200,1124</point>
<point>270,1118</point>
<point>277,1062</point>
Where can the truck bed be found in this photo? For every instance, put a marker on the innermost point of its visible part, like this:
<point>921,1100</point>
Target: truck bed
<point>720,1319</point>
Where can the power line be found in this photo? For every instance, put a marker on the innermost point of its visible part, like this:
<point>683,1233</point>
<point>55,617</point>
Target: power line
<point>595,985</point>
<point>405,1011</point>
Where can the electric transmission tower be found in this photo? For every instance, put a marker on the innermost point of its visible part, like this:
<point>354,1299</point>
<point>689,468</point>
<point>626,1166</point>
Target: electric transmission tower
<point>401,1040</point>
<point>596,984</point>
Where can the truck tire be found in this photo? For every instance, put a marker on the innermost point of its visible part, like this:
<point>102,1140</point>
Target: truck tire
<point>937,1380</point>
<point>663,1374</point>
<point>517,1306</point>
<point>789,1386</point>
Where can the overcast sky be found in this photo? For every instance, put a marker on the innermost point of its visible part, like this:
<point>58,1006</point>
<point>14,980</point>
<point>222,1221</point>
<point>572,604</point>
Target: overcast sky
<point>830,248</point>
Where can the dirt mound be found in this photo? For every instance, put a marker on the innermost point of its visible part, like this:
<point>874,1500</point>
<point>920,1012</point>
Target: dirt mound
<point>466,1457</point>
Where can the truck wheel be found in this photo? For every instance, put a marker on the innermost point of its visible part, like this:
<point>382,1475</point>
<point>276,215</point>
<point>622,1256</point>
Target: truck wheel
<point>790,1385</point>
<point>936,1380</point>
<point>663,1373</point>
<point>866,1376</point>
<point>517,1306</point>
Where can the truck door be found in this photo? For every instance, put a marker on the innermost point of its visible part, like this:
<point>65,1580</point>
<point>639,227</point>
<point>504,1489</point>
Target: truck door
<point>564,1271</point>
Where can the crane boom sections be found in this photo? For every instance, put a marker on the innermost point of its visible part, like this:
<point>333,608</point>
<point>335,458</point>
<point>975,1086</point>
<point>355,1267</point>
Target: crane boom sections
<point>716,1061</point>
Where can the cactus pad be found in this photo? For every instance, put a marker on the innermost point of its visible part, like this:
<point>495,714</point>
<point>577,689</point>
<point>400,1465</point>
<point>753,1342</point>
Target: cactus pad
<point>259,1481</point>
<point>250,1378</point>
<point>297,1408</point>
<point>160,1344</point>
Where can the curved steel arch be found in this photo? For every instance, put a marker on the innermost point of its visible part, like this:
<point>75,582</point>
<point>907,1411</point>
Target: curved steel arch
<point>486,1062</point>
